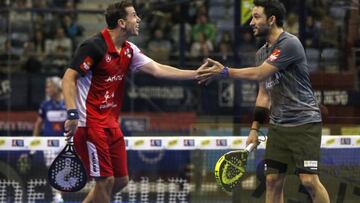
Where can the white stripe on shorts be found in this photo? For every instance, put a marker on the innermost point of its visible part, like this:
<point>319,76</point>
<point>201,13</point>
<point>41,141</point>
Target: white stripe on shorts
<point>93,159</point>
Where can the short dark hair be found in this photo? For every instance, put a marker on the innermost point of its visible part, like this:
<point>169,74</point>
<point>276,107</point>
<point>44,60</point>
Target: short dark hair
<point>273,8</point>
<point>116,11</point>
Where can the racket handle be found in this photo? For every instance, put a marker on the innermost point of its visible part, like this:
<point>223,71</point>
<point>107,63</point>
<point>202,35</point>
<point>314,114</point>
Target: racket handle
<point>250,147</point>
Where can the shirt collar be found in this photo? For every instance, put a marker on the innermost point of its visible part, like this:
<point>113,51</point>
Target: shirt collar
<point>111,47</point>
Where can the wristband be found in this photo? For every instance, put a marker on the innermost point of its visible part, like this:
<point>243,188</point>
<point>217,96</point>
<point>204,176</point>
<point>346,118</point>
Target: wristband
<point>72,114</point>
<point>261,114</point>
<point>225,72</point>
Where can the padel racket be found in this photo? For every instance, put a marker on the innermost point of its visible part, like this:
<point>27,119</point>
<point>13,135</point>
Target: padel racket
<point>67,172</point>
<point>231,166</point>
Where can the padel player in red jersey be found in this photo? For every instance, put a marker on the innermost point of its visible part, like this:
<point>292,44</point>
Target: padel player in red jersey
<point>93,88</point>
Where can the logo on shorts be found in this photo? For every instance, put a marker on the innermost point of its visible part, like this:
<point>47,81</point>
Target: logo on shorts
<point>93,158</point>
<point>221,142</point>
<point>189,142</point>
<point>17,143</point>
<point>155,143</point>
<point>53,143</point>
<point>312,164</point>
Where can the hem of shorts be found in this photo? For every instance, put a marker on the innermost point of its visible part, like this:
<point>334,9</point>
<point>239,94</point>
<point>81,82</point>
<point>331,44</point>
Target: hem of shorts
<point>293,124</point>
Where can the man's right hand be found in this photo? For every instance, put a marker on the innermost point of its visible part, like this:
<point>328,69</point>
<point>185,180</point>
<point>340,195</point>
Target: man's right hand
<point>70,128</point>
<point>252,138</point>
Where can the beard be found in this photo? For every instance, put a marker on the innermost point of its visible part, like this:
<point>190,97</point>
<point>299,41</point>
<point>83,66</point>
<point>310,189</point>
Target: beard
<point>262,31</point>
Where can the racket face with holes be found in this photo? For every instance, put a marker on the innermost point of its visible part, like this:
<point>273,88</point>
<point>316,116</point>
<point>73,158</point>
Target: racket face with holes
<point>67,172</point>
<point>230,168</point>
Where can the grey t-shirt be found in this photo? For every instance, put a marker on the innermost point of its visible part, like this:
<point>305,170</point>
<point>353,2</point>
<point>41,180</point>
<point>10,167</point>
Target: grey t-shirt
<point>292,99</point>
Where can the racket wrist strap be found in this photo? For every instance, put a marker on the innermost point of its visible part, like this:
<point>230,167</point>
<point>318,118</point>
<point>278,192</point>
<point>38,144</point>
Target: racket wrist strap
<point>257,130</point>
<point>72,114</point>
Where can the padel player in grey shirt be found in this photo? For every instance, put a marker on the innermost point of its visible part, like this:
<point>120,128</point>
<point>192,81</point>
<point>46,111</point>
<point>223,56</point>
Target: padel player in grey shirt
<point>292,99</point>
<point>294,137</point>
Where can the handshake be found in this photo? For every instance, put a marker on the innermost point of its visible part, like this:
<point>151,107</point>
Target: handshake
<point>211,70</point>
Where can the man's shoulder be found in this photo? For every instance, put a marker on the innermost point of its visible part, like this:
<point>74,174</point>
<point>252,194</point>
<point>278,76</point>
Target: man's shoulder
<point>95,40</point>
<point>289,39</point>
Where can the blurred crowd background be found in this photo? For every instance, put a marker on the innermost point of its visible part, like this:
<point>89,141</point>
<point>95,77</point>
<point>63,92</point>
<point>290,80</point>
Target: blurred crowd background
<point>37,39</point>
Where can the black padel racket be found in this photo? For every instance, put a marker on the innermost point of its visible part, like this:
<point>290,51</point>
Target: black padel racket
<point>230,167</point>
<point>67,172</point>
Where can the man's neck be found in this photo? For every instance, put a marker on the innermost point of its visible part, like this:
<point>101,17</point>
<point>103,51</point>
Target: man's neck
<point>117,37</point>
<point>274,35</point>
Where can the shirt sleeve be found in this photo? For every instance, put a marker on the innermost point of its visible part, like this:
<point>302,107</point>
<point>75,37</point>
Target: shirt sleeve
<point>139,59</point>
<point>85,58</point>
<point>285,54</point>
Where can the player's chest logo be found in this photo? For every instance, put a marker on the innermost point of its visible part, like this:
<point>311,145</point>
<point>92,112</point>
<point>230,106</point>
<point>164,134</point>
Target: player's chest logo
<point>128,53</point>
<point>273,80</point>
<point>107,58</point>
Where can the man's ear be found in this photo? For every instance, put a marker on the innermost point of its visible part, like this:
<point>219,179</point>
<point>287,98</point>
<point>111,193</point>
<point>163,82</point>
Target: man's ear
<point>272,20</point>
<point>121,22</point>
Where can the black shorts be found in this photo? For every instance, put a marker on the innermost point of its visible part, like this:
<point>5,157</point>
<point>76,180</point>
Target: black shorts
<point>293,149</point>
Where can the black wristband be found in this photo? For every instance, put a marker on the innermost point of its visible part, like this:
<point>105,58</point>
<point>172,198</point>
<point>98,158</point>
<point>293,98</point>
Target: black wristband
<point>72,114</point>
<point>261,114</point>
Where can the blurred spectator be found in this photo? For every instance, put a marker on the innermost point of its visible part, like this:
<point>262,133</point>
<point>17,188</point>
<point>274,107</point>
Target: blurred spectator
<point>71,27</point>
<point>159,48</point>
<point>203,26</point>
<point>39,42</point>
<point>312,32</point>
<point>224,48</point>
<point>292,24</point>
<point>8,53</point>
<point>247,49</point>
<point>30,64</point>
<point>328,33</point>
<point>60,42</point>
<point>16,16</point>
<point>40,4</point>
<point>201,48</point>
<point>57,61</point>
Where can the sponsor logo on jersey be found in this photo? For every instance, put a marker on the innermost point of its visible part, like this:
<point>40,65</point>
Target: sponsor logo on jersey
<point>108,101</point>
<point>114,78</point>
<point>87,63</point>
<point>274,55</point>
<point>107,58</point>
<point>128,53</point>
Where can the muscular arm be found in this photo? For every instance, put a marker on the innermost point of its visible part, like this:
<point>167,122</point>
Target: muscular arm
<point>166,71</point>
<point>262,100</point>
<point>69,88</point>
<point>215,68</point>
<point>253,73</point>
